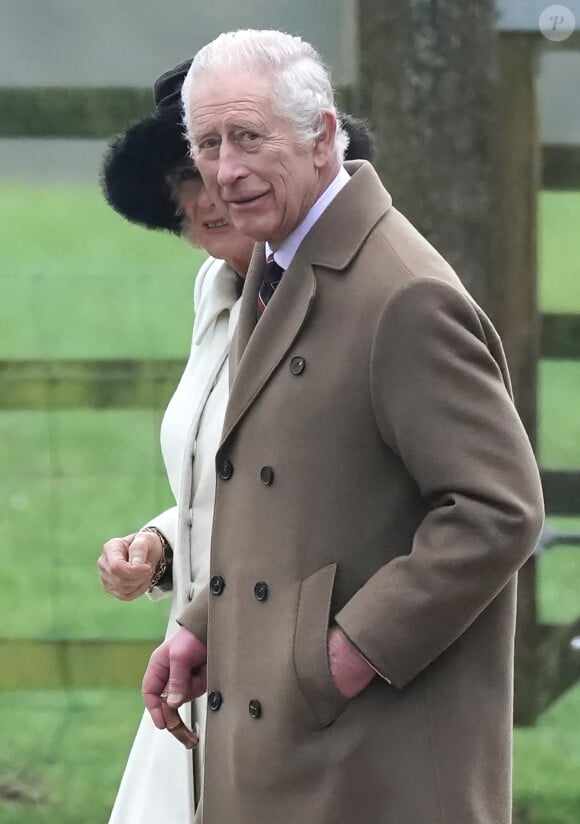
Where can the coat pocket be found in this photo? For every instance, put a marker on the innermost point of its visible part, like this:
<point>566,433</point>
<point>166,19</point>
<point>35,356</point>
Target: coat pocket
<point>310,646</point>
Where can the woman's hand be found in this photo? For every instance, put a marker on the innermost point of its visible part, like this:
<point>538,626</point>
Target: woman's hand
<point>127,564</point>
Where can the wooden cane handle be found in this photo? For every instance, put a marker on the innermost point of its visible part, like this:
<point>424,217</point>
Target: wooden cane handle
<point>177,728</point>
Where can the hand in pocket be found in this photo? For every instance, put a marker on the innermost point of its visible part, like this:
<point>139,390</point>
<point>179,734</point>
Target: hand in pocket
<point>350,671</point>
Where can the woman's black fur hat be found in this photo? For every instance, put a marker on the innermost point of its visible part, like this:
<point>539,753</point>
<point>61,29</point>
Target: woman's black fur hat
<point>137,162</point>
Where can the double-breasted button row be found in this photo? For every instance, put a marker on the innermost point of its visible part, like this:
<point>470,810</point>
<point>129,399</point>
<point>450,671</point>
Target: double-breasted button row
<point>267,475</point>
<point>261,591</point>
<point>217,585</point>
<point>214,700</point>
<point>225,469</point>
<point>297,365</point>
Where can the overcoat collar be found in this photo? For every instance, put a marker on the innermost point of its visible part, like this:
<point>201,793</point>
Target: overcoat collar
<point>333,242</point>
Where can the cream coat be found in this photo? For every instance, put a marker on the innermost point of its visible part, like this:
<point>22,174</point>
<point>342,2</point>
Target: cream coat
<point>157,785</point>
<point>373,472</point>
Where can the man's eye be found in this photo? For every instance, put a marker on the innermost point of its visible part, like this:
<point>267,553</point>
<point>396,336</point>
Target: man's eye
<point>250,139</point>
<point>208,144</point>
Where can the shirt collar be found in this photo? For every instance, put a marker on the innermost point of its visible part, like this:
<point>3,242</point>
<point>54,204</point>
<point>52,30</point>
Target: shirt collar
<point>285,253</point>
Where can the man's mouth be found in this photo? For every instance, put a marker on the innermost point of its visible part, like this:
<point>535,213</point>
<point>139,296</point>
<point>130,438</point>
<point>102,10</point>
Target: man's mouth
<point>245,201</point>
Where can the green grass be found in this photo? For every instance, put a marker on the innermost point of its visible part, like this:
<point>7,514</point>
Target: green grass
<point>61,754</point>
<point>82,282</point>
<point>80,478</point>
<point>559,579</point>
<point>77,281</point>
<point>558,222</point>
<point>547,765</point>
<point>70,231</point>
<point>559,414</point>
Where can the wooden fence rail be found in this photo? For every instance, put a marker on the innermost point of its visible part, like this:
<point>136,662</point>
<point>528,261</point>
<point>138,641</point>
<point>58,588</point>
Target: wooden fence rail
<point>64,663</point>
<point>143,384</point>
<point>99,384</point>
<point>76,112</point>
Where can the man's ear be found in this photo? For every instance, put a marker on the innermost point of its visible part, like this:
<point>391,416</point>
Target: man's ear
<point>324,143</point>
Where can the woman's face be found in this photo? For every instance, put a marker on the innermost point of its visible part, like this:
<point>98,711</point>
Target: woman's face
<point>206,223</point>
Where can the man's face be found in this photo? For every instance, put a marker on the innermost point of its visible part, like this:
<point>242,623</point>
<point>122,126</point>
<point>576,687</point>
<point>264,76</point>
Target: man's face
<point>250,158</point>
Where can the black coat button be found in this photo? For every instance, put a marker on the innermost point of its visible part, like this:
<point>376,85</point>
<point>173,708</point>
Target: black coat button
<point>255,708</point>
<point>297,365</point>
<point>217,585</point>
<point>225,470</point>
<point>267,475</point>
<point>214,700</point>
<point>261,591</point>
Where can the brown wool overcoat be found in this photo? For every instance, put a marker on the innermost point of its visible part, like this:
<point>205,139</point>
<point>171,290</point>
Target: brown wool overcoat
<point>373,472</point>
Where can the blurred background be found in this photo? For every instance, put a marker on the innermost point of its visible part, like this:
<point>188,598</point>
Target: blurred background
<point>477,117</point>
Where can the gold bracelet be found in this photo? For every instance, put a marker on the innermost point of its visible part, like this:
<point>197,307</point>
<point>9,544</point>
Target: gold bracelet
<point>164,562</point>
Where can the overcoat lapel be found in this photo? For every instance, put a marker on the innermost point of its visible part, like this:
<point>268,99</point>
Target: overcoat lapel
<point>259,347</point>
<point>332,243</point>
<point>247,318</point>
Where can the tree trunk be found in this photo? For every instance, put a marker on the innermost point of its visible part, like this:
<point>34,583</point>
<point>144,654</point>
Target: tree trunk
<point>427,83</point>
<point>452,104</point>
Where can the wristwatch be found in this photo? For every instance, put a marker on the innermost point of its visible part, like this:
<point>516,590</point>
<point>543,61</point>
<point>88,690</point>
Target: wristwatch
<point>162,574</point>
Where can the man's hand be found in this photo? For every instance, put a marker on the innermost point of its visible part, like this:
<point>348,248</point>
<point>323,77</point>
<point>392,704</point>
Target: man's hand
<point>176,670</point>
<point>127,564</point>
<point>350,671</point>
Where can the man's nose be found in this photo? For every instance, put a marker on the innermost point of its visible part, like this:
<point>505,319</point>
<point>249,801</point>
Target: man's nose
<point>230,166</point>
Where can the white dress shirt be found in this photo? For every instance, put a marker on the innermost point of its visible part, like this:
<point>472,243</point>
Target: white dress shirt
<point>284,254</point>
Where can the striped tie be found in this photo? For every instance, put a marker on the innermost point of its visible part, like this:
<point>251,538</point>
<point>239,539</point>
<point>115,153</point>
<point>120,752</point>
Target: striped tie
<point>272,276</point>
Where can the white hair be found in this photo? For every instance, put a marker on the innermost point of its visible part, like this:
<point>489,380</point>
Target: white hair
<point>302,86</point>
